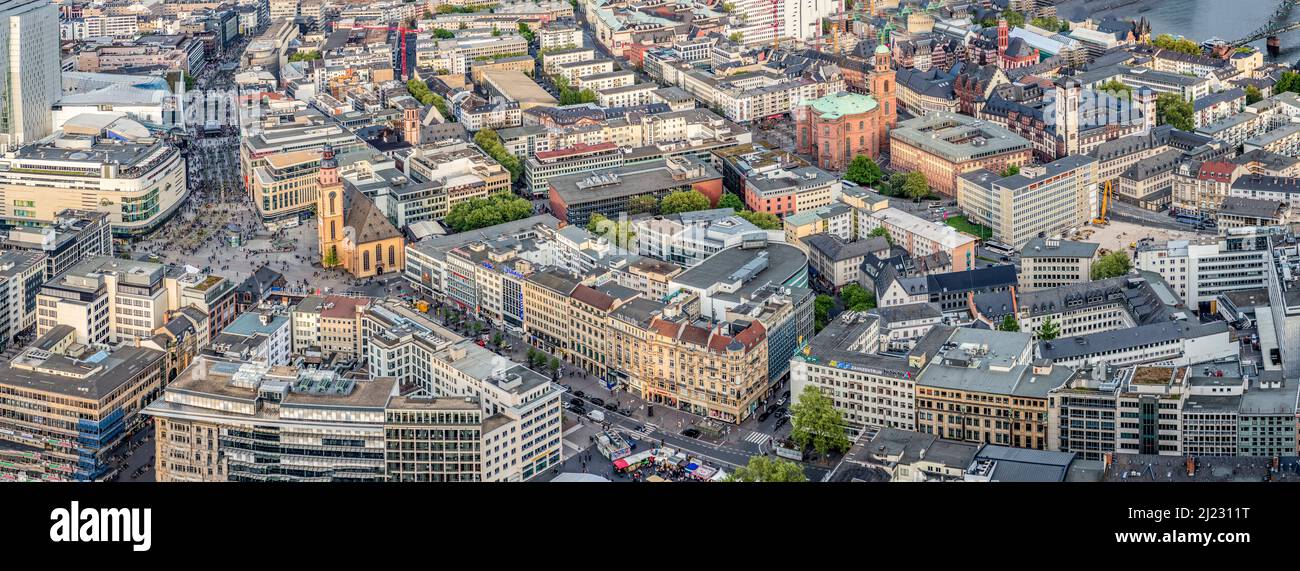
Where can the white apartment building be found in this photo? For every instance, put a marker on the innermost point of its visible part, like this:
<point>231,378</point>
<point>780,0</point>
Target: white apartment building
<point>1201,269</point>
<point>871,390</point>
<point>559,35</point>
<point>29,70</point>
<point>107,300</point>
<point>522,431</point>
<point>920,237</point>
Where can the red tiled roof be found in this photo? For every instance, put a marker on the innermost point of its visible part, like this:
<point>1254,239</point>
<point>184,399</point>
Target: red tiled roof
<point>1217,171</point>
<point>592,297</point>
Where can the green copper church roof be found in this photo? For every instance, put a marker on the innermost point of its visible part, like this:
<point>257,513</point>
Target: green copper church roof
<point>837,105</point>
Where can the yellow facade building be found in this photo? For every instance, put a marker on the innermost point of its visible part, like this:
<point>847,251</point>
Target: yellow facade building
<point>353,233</point>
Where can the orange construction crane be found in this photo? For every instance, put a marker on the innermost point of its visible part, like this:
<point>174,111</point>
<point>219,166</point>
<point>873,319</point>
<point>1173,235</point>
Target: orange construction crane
<point>1107,194</point>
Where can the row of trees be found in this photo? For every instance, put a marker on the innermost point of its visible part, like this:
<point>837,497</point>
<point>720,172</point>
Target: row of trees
<point>478,213</point>
<point>488,140</point>
<point>1048,331</point>
<point>540,360</point>
<point>1051,24</point>
<point>764,220</point>
<point>425,96</point>
<point>527,32</point>
<point>306,56</point>
<point>1168,42</point>
<point>866,172</point>
<point>570,96</point>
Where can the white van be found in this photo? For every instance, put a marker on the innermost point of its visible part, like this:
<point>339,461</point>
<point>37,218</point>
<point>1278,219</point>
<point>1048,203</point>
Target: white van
<point>597,415</point>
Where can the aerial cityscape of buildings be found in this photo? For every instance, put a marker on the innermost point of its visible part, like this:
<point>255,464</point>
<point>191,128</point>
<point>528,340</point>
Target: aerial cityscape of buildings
<point>643,240</point>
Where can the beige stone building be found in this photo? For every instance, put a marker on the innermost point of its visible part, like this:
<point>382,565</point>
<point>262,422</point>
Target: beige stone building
<point>943,146</point>
<point>1051,262</point>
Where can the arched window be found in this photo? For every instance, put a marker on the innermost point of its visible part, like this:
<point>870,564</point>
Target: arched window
<point>392,256</point>
<point>333,236</point>
<point>379,255</point>
<point>333,197</point>
<point>365,261</point>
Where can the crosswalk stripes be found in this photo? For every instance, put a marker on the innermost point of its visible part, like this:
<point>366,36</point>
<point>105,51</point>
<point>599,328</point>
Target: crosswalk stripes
<point>757,438</point>
<point>642,434</point>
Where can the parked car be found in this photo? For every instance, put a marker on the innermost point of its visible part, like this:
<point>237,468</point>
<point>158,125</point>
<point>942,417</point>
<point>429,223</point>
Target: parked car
<point>611,407</point>
<point>763,416</point>
<point>579,394</point>
<point>597,401</point>
<point>779,423</point>
<point>786,395</point>
<point>781,401</point>
<point>691,433</point>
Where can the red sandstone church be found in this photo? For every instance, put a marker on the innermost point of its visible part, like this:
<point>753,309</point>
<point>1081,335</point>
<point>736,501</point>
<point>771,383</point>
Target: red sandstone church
<point>840,126</point>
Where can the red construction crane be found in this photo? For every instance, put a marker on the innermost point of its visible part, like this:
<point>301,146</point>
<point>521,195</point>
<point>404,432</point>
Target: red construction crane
<point>400,30</point>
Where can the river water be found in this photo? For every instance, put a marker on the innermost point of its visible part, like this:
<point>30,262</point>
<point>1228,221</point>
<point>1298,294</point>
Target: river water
<point>1201,20</point>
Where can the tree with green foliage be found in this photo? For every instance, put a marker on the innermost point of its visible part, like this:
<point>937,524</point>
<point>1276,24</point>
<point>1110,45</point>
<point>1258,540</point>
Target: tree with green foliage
<point>483,212</point>
<point>683,201</point>
<point>1168,42</point>
<point>190,82</point>
<point>305,56</point>
<point>1253,95</point>
<point>857,298</point>
<point>815,421</point>
<point>864,171</point>
<point>490,142</point>
<point>894,185</point>
<point>498,340</point>
<point>731,201</point>
<point>443,34</point>
<point>727,7</point>
<point>736,37</point>
<point>1048,330</point>
<point>618,233</point>
<point>331,258</point>
<point>527,32</point>
<point>1116,88</point>
<point>822,306</point>
<point>764,220</point>
<point>645,204</point>
<point>766,469</point>
<point>1051,24</point>
<point>1290,81</point>
<point>915,186</point>
<point>1172,109</point>
<point>555,364</point>
<point>1111,265</point>
<point>1009,323</point>
<point>1012,170</point>
<point>1014,19</point>
<point>881,231</point>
